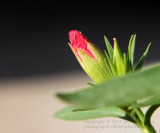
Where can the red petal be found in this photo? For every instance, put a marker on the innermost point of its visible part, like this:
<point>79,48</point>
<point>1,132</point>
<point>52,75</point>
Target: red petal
<point>79,40</point>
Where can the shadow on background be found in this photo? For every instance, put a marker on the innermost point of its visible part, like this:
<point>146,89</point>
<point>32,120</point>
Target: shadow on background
<point>34,34</point>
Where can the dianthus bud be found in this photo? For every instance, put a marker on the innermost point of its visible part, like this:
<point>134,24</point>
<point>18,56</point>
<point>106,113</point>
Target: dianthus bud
<point>90,57</point>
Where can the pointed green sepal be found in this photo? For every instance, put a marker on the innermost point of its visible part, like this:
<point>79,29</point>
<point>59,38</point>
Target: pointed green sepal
<point>109,48</point>
<point>112,66</point>
<point>96,68</point>
<point>118,59</point>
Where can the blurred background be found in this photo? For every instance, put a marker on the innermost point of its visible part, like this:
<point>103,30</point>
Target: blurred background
<point>34,34</point>
<point>35,58</point>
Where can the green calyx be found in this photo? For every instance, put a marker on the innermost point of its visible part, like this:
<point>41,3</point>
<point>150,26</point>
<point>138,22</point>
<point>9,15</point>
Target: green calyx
<point>97,69</point>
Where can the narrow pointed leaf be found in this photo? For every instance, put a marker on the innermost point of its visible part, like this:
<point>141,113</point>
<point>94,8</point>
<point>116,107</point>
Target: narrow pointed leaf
<point>109,48</point>
<point>142,60</point>
<point>129,52</point>
<point>120,91</point>
<point>151,101</point>
<point>131,48</point>
<point>73,113</point>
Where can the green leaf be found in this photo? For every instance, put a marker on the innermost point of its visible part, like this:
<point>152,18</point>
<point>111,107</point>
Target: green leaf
<point>74,113</point>
<point>129,52</point>
<point>142,60</point>
<point>120,91</point>
<point>109,48</point>
<point>131,48</point>
<point>150,101</point>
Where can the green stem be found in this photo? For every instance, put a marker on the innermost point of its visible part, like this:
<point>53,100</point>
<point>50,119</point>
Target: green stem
<point>148,128</point>
<point>139,114</point>
<point>149,113</point>
<point>143,121</point>
<point>133,114</point>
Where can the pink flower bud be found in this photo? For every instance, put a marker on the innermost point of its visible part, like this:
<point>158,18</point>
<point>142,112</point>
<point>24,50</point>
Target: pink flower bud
<point>90,57</point>
<point>78,40</point>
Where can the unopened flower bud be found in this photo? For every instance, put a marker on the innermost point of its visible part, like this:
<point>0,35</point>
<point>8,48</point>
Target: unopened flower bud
<point>90,57</point>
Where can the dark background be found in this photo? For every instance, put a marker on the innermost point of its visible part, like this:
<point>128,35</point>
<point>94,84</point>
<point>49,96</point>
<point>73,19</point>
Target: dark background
<point>34,34</point>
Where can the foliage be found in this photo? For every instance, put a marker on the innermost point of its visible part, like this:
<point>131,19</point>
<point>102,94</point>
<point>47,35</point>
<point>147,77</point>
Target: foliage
<point>121,97</point>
